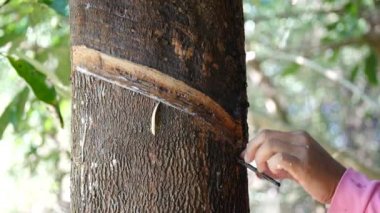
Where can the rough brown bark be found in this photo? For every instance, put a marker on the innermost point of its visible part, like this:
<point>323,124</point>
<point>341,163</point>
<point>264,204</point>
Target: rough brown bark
<point>118,165</point>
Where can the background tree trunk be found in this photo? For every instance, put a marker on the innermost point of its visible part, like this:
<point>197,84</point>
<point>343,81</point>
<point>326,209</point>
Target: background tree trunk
<point>118,164</point>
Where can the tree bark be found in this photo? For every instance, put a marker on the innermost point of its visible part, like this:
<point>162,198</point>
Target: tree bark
<point>129,55</point>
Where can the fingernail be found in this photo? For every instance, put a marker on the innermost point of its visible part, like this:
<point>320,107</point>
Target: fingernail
<point>246,159</point>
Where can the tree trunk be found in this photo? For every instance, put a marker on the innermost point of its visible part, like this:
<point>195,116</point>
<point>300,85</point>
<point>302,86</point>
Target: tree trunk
<point>129,55</point>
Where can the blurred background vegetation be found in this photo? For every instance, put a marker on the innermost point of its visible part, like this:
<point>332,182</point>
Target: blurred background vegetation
<point>311,64</point>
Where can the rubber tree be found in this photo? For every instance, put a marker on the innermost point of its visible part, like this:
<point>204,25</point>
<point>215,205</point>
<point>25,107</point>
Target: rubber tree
<point>159,106</point>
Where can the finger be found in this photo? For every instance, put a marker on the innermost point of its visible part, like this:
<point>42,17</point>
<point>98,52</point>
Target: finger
<point>270,148</point>
<point>288,163</point>
<point>263,136</point>
<point>275,171</point>
<point>272,175</point>
<point>281,174</point>
<point>301,137</point>
<point>254,144</point>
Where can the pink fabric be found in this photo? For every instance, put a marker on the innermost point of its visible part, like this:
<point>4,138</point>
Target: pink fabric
<point>356,194</point>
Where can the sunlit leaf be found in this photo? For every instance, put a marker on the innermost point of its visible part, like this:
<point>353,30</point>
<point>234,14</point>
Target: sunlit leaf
<point>14,111</point>
<point>41,87</point>
<point>4,3</point>
<point>371,68</point>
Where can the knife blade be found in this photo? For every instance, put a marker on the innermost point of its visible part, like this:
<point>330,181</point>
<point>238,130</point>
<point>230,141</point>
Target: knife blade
<point>259,174</point>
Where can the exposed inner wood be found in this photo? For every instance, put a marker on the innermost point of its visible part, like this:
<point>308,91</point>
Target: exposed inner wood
<point>154,84</point>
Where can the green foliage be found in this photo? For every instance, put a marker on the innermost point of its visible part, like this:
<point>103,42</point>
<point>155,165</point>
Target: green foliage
<point>40,28</point>
<point>60,6</point>
<point>4,3</point>
<point>292,69</point>
<point>14,30</point>
<point>34,40</point>
<point>37,81</point>
<point>14,112</point>
<point>354,73</point>
<point>371,68</point>
<point>316,68</point>
<point>42,89</point>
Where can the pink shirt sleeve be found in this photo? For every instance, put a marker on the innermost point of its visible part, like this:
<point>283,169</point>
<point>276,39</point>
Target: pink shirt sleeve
<point>355,193</point>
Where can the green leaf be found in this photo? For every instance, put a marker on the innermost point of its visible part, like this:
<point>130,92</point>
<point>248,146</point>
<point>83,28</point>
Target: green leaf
<point>354,73</point>
<point>60,6</point>
<point>42,89</point>
<point>14,111</point>
<point>332,26</point>
<point>371,68</point>
<point>351,8</point>
<point>19,107</point>
<point>291,69</point>
<point>14,32</point>
<point>36,80</point>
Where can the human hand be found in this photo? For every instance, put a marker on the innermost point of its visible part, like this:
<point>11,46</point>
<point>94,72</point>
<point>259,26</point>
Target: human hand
<point>297,156</point>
